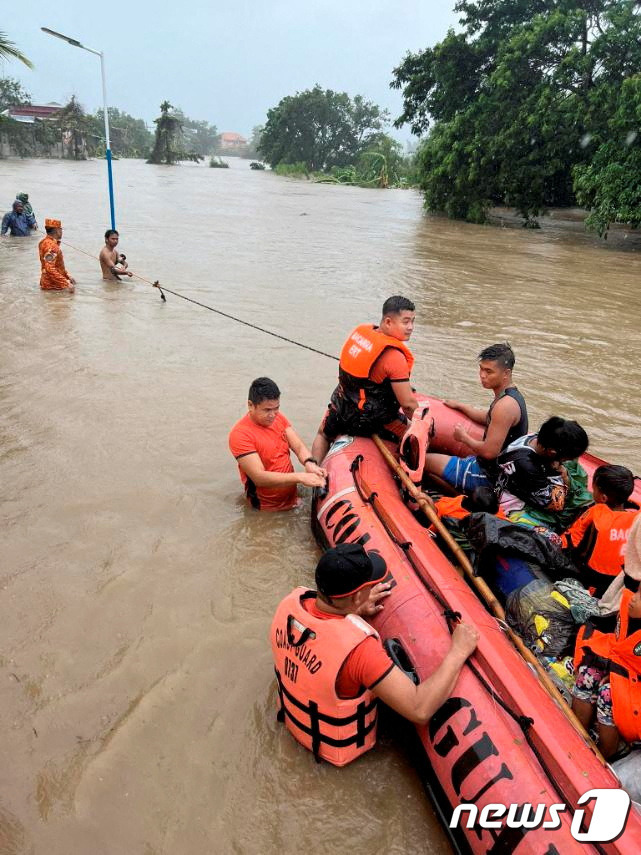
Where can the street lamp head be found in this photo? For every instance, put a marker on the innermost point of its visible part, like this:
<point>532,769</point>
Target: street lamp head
<point>71,41</point>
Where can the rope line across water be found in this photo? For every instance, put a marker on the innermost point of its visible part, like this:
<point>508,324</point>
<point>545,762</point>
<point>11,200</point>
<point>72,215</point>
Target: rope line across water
<point>162,289</point>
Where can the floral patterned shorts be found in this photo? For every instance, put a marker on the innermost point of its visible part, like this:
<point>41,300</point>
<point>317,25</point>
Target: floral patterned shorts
<point>593,685</point>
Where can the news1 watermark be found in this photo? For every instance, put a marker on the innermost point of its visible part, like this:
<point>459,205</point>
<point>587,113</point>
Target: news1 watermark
<point>609,815</point>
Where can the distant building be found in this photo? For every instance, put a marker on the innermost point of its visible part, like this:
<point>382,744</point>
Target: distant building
<point>28,142</point>
<point>231,140</point>
<point>31,113</point>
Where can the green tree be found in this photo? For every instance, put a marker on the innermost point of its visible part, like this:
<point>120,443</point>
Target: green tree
<point>75,126</point>
<point>610,184</point>
<point>168,146</point>
<point>382,162</point>
<point>12,94</point>
<point>253,147</point>
<point>518,101</point>
<point>129,136</point>
<point>8,50</point>
<point>319,128</point>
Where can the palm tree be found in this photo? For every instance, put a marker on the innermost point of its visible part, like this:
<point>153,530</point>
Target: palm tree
<point>9,51</point>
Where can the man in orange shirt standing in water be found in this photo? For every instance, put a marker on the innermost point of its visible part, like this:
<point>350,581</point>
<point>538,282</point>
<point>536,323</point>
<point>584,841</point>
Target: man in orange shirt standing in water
<point>54,276</point>
<point>262,442</point>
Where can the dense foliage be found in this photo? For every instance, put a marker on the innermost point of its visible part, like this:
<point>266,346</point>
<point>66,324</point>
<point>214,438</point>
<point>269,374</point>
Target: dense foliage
<point>129,136</point>
<point>534,103</point>
<point>320,128</point>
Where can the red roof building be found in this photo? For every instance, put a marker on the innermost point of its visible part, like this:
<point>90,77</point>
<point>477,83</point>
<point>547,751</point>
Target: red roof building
<point>32,112</point>
<point>229,139</point>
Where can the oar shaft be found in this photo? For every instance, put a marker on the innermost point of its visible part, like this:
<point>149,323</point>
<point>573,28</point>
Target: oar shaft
<point>427,506</point>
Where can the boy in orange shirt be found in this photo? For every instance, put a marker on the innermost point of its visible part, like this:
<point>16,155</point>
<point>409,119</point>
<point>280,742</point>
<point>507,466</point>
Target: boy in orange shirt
<point>597,539</point>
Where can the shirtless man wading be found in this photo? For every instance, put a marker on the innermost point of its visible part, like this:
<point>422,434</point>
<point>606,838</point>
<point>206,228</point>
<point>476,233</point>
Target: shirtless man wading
<point>113,266</point>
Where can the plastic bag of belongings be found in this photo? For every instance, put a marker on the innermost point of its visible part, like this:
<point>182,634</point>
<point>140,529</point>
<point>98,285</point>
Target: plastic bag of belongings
<point>509,556</point>
<point>542,617</point>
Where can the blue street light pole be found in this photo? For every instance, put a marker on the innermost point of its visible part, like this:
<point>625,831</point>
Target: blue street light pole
<point>99,53</point>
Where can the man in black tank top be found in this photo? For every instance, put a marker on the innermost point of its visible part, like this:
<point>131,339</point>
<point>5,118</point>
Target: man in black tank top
<point>505,420</point>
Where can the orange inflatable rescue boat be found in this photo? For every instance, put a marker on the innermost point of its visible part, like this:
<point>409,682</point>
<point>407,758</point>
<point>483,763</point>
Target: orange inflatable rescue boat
<point>501,739</point>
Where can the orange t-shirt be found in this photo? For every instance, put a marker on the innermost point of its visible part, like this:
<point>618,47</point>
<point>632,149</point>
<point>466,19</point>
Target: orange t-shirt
<point>365,666</point>
<point>390,364</point>
<point>271,445</point>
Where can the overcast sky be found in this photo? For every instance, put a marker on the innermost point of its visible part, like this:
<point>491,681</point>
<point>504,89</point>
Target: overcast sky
<point>226,62</point>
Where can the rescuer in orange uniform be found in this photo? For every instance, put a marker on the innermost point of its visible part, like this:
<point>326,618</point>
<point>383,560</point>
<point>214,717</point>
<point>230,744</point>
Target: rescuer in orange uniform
<point>54,275</point>
<point>597,540</point>
<point>331,667</point>
<point>373,380</point>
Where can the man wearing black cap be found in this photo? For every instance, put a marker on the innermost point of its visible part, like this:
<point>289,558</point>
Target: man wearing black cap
<point>330,664</point>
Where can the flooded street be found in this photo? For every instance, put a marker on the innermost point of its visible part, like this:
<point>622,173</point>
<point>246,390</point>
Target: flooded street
<point>136,691</point>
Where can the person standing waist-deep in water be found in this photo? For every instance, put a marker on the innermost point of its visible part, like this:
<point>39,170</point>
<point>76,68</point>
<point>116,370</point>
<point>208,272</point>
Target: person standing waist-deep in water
<point>54,275</point>
<point>112,264</point>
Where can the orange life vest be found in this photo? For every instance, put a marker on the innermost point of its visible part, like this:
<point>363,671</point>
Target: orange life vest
<point>452,506</point>
<point>624,654</point>
<point>597,541</point>
<point>363,405</point>
<point>308,655</point>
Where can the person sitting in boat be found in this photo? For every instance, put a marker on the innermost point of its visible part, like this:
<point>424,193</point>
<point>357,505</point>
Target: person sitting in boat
<point>608,673</point>
<point>262,442</point>
<point>505,421</point>
<point>331,667</point>
<point>531,471</point>
<point>597,540</point>
<point>373,380</point>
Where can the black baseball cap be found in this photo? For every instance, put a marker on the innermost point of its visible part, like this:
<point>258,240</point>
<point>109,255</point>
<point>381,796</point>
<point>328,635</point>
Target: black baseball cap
<point>346,569</point>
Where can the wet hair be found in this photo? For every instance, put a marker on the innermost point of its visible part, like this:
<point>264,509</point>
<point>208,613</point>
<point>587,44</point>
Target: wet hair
<point>615,482</point>
<point>396,305</point>
<point>263,389</point>
<point>481,499</point>
<point>501,353</point>
<point>111,232</point>
<point>565,437</point>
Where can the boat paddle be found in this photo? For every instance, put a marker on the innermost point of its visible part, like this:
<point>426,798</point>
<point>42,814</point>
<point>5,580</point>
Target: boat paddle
<point>427,506</point>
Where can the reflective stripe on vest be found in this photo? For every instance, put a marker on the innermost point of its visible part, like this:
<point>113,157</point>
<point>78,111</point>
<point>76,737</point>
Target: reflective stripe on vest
<point>308,654</point>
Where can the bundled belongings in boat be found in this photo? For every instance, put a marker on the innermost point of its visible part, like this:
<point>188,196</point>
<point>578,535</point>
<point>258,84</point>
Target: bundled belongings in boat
<point>504,736</point>
<point>509,556</point>
<point>541,615</point>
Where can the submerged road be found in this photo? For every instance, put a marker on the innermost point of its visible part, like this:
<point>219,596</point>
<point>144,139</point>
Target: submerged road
<point>136,695</point>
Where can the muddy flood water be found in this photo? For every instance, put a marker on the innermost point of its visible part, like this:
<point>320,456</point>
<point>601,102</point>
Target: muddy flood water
<point>136,589</point>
